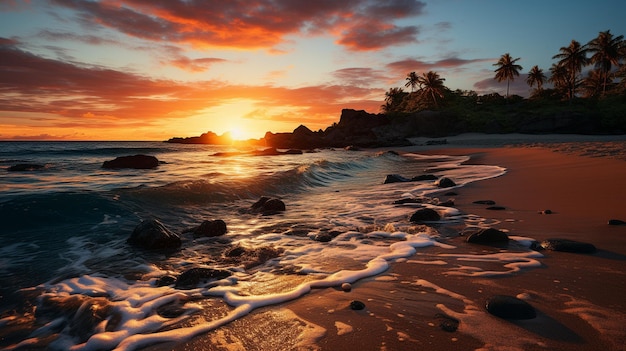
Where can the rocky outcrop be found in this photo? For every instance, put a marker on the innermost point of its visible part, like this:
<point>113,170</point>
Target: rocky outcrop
<point>135,162</point>
<point>152,234</point>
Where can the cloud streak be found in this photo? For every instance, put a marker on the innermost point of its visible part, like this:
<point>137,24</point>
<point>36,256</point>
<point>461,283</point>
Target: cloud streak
<point>262,24</point>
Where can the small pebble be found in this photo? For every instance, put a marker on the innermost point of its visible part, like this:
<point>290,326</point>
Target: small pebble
<point>616,222</point>
<point>357,305</point>
<point>546,212</point>
<point>346,287</point>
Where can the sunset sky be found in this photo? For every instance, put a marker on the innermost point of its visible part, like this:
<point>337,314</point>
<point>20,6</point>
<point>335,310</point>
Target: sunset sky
<point>155,69</point>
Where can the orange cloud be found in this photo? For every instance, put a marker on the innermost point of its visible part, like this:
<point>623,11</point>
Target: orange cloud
<point>360,24</point>
<point>40,92</point>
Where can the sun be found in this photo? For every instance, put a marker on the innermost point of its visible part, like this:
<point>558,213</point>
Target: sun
<point>238,134</point>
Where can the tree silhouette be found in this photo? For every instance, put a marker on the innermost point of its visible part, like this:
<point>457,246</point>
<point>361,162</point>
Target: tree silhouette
<point>607,52</point>
<point>536,76</point>
<point>507,70</point>
<point>412,81</point>
<point>573,58</point>
<point>431,86</point>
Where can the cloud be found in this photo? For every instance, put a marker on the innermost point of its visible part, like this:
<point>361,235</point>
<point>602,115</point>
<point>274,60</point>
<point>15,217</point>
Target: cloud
<point>403,67</point>
<point>359,76</point>
<point>357,24</point>
<point>195,65</point>
<point>71,95</point>
<point>490,85</point>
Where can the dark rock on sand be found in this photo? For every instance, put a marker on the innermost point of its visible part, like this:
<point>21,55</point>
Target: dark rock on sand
<point>425,214</point>
<point>546,212</point>
<point>165,280</point>
<point>395,178</point>
<point>485,202</point>
<point>445,183</point>
<point>23,167</point>
<point>487,236</point>
<point>509,307</point>
<point>357,305</point>
<point>135,162</point>
<point>194,276</point>
<point>323,237</point>
<point>447,323</point>
<point>422,177</point>
<point>152,234</point>
<point>496,208</point>
<point>209,228</point>
<point>267,206</point>
<point>451,193</point>
<point>616,222</point>
<point>567,245</point>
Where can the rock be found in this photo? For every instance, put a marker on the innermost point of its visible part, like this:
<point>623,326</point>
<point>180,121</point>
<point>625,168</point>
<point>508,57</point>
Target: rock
<point>346,287</point>
<point>395,178</point>
<point>425,214</point>
<point>408,201</point>
<point>451,193</point>
<point>152,234</point>
<point>616,222</point>
<point>165,280</point>
<point>566,245</point>
<point>509,307</point>
<point>485,202</point>
<point>447,323</point>
<point>267,206</point>
<point>496,208</point>
<point>487,236</point>
<point>422,177</point>
<point>445,183</point>
<point>546,212</point>
<point>25,167</point>
<point>250,257</point>
<point>357,305</point>
<point>194,276</point>
<point>210,228</point>
<point>323,237</point>
<point>136,162</point>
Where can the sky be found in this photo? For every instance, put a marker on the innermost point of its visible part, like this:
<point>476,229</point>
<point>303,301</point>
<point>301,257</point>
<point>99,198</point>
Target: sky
<point>156,69</point>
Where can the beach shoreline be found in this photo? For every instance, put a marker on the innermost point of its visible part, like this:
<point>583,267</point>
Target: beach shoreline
<point>579,297</point>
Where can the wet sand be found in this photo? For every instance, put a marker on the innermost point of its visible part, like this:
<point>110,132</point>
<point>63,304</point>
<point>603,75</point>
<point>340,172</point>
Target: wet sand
<point>579,298</point>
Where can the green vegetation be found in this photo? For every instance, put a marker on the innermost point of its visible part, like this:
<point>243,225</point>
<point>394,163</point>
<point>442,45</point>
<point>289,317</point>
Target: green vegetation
<point>588,83</point>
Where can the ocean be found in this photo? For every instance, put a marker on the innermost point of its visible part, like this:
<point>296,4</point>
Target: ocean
<point>64,229</point>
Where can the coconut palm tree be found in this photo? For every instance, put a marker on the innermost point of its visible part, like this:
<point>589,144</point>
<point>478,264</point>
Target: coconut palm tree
<point>536,76</point>
<point>559,77</point>
<point>607,51</point>
<point>393,99</point>
<point>507,70</point>
<point>573,58</point>
<point>412,80</point>
<point>431,86</point>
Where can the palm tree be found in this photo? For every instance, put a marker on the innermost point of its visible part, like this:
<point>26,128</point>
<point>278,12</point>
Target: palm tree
<point>594,83</point>
<point>507,69</point>
<point>607,52</point>
<point>431,85</point>
<point>393,99</point>
<point>412,81</point>
<point>536,76</point>
<point>559,77</point>
<point>572,58</point>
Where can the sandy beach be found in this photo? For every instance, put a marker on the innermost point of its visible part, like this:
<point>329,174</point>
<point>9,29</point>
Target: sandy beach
<point>578,297</point>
